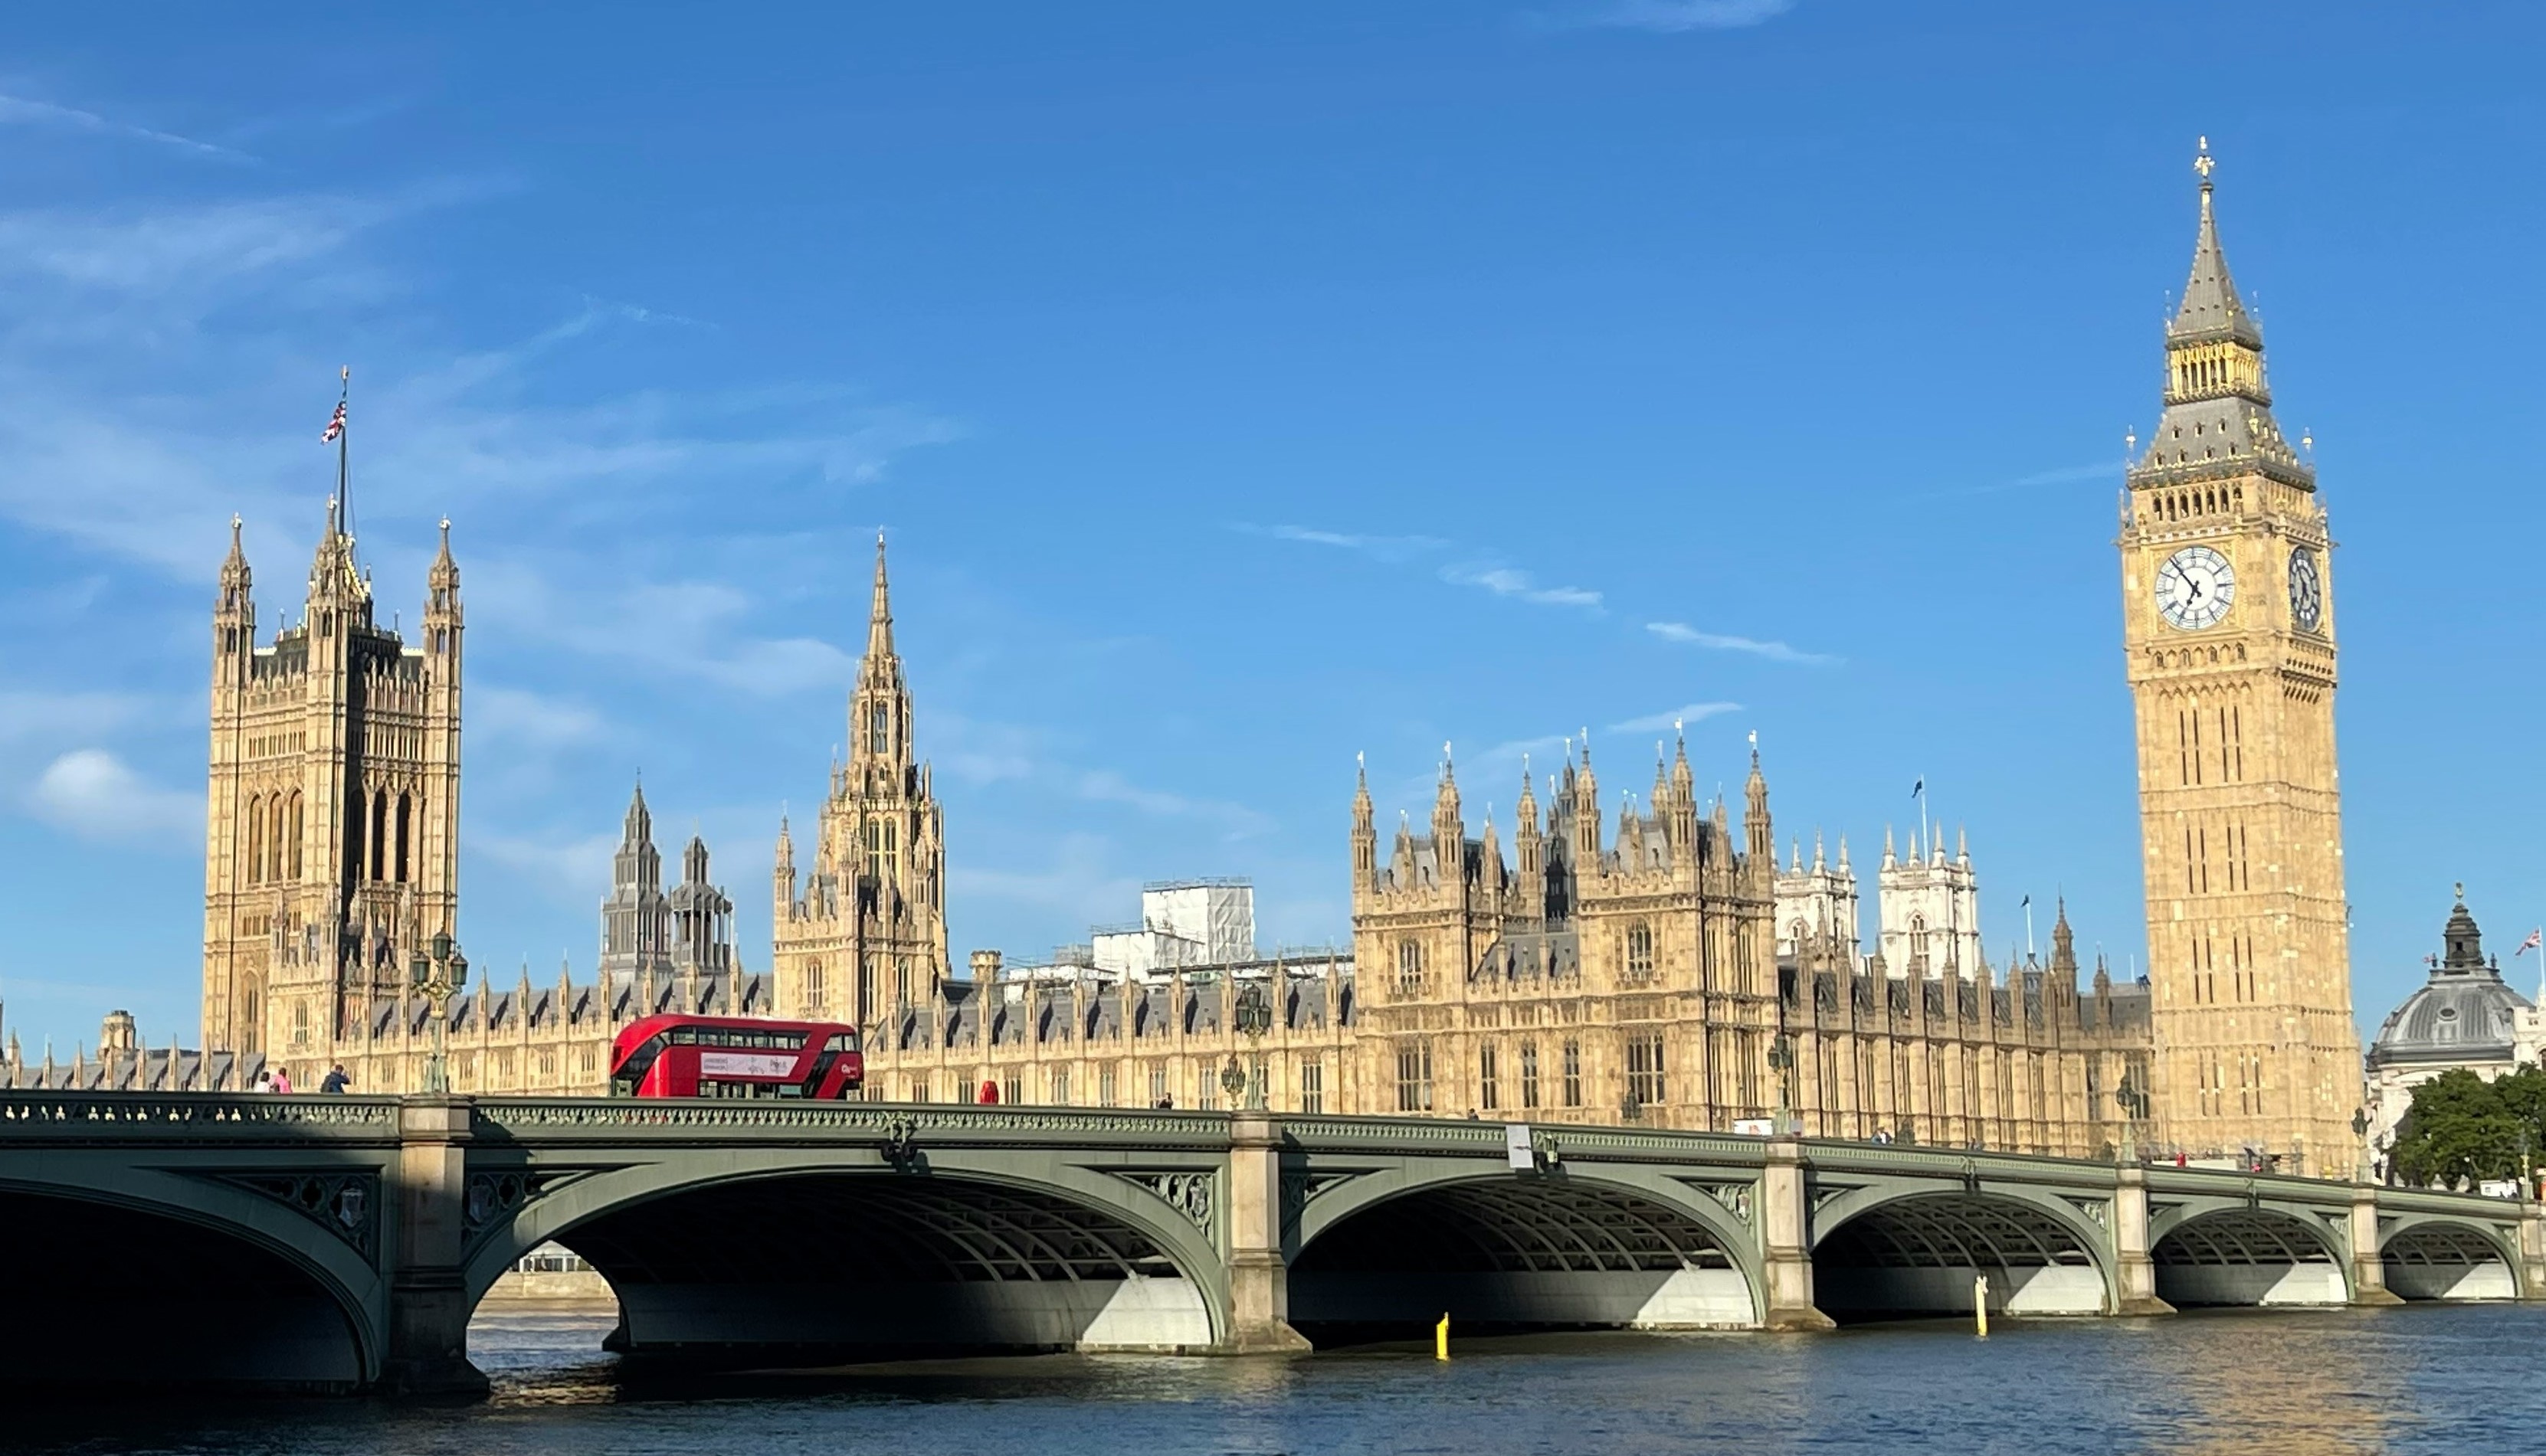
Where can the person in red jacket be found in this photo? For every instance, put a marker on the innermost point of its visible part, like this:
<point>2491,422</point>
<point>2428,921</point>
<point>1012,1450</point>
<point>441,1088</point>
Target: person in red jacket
<point>989,1091</point>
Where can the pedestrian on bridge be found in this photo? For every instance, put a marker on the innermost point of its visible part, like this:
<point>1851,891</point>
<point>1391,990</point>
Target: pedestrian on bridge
<point>335,1082</point>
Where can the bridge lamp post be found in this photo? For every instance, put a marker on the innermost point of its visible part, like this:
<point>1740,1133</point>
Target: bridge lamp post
<point>2360,1137</point>
<point>2134,1102</point>
<point>438,974</point>
<point>1254,1017</point>
<point>1781,1060</point>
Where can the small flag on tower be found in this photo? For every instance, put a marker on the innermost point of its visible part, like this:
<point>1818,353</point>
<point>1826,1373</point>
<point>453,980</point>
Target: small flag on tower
<point>1919,787</point>
<point>2529,944</point>
<point>335,425</point>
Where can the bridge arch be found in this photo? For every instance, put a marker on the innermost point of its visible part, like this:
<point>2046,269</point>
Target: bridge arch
<point>148,1277</point>
<point>2447,1258</point>
<point>848,1257</point>
<point>1883,1252</point>
<point>1392,1249</point>
<point>2223,1251</point>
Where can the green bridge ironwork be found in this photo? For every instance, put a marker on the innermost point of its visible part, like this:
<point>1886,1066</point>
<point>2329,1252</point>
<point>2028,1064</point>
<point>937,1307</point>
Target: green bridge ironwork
<point>342,1242</point>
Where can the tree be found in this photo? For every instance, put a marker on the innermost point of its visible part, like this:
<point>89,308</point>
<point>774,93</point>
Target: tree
<point>2463,1128</point>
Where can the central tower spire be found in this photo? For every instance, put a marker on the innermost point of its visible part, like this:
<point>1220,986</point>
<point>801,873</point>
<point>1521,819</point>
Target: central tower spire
<point>880,707</point>
<point>880,618</point>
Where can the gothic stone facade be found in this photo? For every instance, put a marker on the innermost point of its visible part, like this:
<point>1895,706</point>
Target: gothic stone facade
<point>2228,612</point>
<point>332,831</point>
<point>1638,976</point>
<point>332,858</point>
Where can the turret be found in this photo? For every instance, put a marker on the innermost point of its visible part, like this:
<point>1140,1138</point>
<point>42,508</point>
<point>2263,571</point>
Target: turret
<point>1529,854</point>
<point>1754,815</point>
<point>1659,799</point>
<point>1449,829</point>
<point>234,618</point>
<point>1586,814</point>
<point>442,613</point>
<point>781,875</point>
<point>1365,833</point>
<point>636,865</point>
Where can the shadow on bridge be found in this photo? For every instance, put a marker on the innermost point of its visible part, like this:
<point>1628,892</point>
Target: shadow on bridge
<point>1529,1253</point>
<point>2442,1259</point>
<point>1918,1256</point>
<point>104,1295</point>
<point>2247,1257</point>
<point>854,1265</point>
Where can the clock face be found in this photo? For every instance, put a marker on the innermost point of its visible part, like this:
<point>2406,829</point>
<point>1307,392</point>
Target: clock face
<point>2307,591</point>
<point>2195,588</point>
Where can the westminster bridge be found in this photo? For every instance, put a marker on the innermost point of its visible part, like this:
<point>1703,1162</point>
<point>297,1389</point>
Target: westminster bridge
<point>341,1242</point>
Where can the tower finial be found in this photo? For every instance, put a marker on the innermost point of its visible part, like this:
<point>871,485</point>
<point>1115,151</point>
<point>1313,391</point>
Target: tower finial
<point>2202,162</point>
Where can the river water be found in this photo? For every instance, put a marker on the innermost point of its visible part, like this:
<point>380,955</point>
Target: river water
<point>2419,1379</point>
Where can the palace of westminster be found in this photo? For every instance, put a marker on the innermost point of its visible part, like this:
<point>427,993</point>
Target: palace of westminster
<point>1650,962</point>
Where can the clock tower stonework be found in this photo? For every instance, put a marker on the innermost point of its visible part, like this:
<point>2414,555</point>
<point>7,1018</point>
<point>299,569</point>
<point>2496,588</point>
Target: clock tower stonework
<point>2228,622</point>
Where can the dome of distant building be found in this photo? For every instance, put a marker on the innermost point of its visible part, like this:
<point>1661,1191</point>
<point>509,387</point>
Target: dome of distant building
<point>2465,1014</point>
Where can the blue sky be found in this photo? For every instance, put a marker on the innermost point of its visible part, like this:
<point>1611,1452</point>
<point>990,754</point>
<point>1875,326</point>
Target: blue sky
<point>1243,388</point>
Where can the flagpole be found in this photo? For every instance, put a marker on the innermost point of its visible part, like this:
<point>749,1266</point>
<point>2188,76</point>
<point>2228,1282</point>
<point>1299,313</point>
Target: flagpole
<point>344,479</point>
<point>1922,810</point>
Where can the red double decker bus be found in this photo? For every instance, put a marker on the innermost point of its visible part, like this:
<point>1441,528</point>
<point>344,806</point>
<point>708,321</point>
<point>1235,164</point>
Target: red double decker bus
<point>735,1057</point>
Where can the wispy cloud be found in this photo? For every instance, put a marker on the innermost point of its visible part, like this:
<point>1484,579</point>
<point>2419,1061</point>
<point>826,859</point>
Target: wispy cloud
<point>566,866</point>
<point>2062,475</point>
<point>1384,548</point>
<point>19,111</point>
<point>533,719</point>
<point>1505,581</point>
<point>1104,785</point>
<point>1078,882</point>
<point>1673,718</point>
<point>700,628</point>
<point>29,715</point>
<point>1667,17</point>
<point>981,751</point>
<point>1487,574</point>
<point>1688,636</point>
<point>92,794</point>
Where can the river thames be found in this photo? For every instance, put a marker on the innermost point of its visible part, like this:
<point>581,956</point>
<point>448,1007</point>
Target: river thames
<point>2420,1378</point>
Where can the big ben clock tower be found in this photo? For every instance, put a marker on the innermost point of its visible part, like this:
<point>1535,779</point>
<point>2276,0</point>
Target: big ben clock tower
<point>2227,619</point>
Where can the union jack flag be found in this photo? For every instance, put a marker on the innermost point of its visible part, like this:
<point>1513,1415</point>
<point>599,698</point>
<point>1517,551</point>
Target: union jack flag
<point>335,426</point>
<point>2529,944</point>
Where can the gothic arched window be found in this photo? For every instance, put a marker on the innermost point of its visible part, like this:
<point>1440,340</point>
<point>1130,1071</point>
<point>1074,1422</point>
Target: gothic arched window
<point>292,838</point>
<point>255,840</point>
<point>1410,965</point>
<point>878,728</point>
<point>405,807</point>
<point>1640,951</point>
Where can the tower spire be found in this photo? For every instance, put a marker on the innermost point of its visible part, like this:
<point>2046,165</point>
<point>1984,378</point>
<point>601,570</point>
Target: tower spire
<point>879,615</point>
<point>2218,417</point>
<point>2210,303</point>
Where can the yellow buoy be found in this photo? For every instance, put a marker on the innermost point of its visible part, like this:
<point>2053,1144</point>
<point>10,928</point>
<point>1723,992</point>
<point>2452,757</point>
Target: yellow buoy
<point>1980,1303</point>
<point>1441,1338</point>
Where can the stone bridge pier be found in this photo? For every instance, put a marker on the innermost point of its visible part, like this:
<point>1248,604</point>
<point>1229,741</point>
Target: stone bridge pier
<point>341,1243</point>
